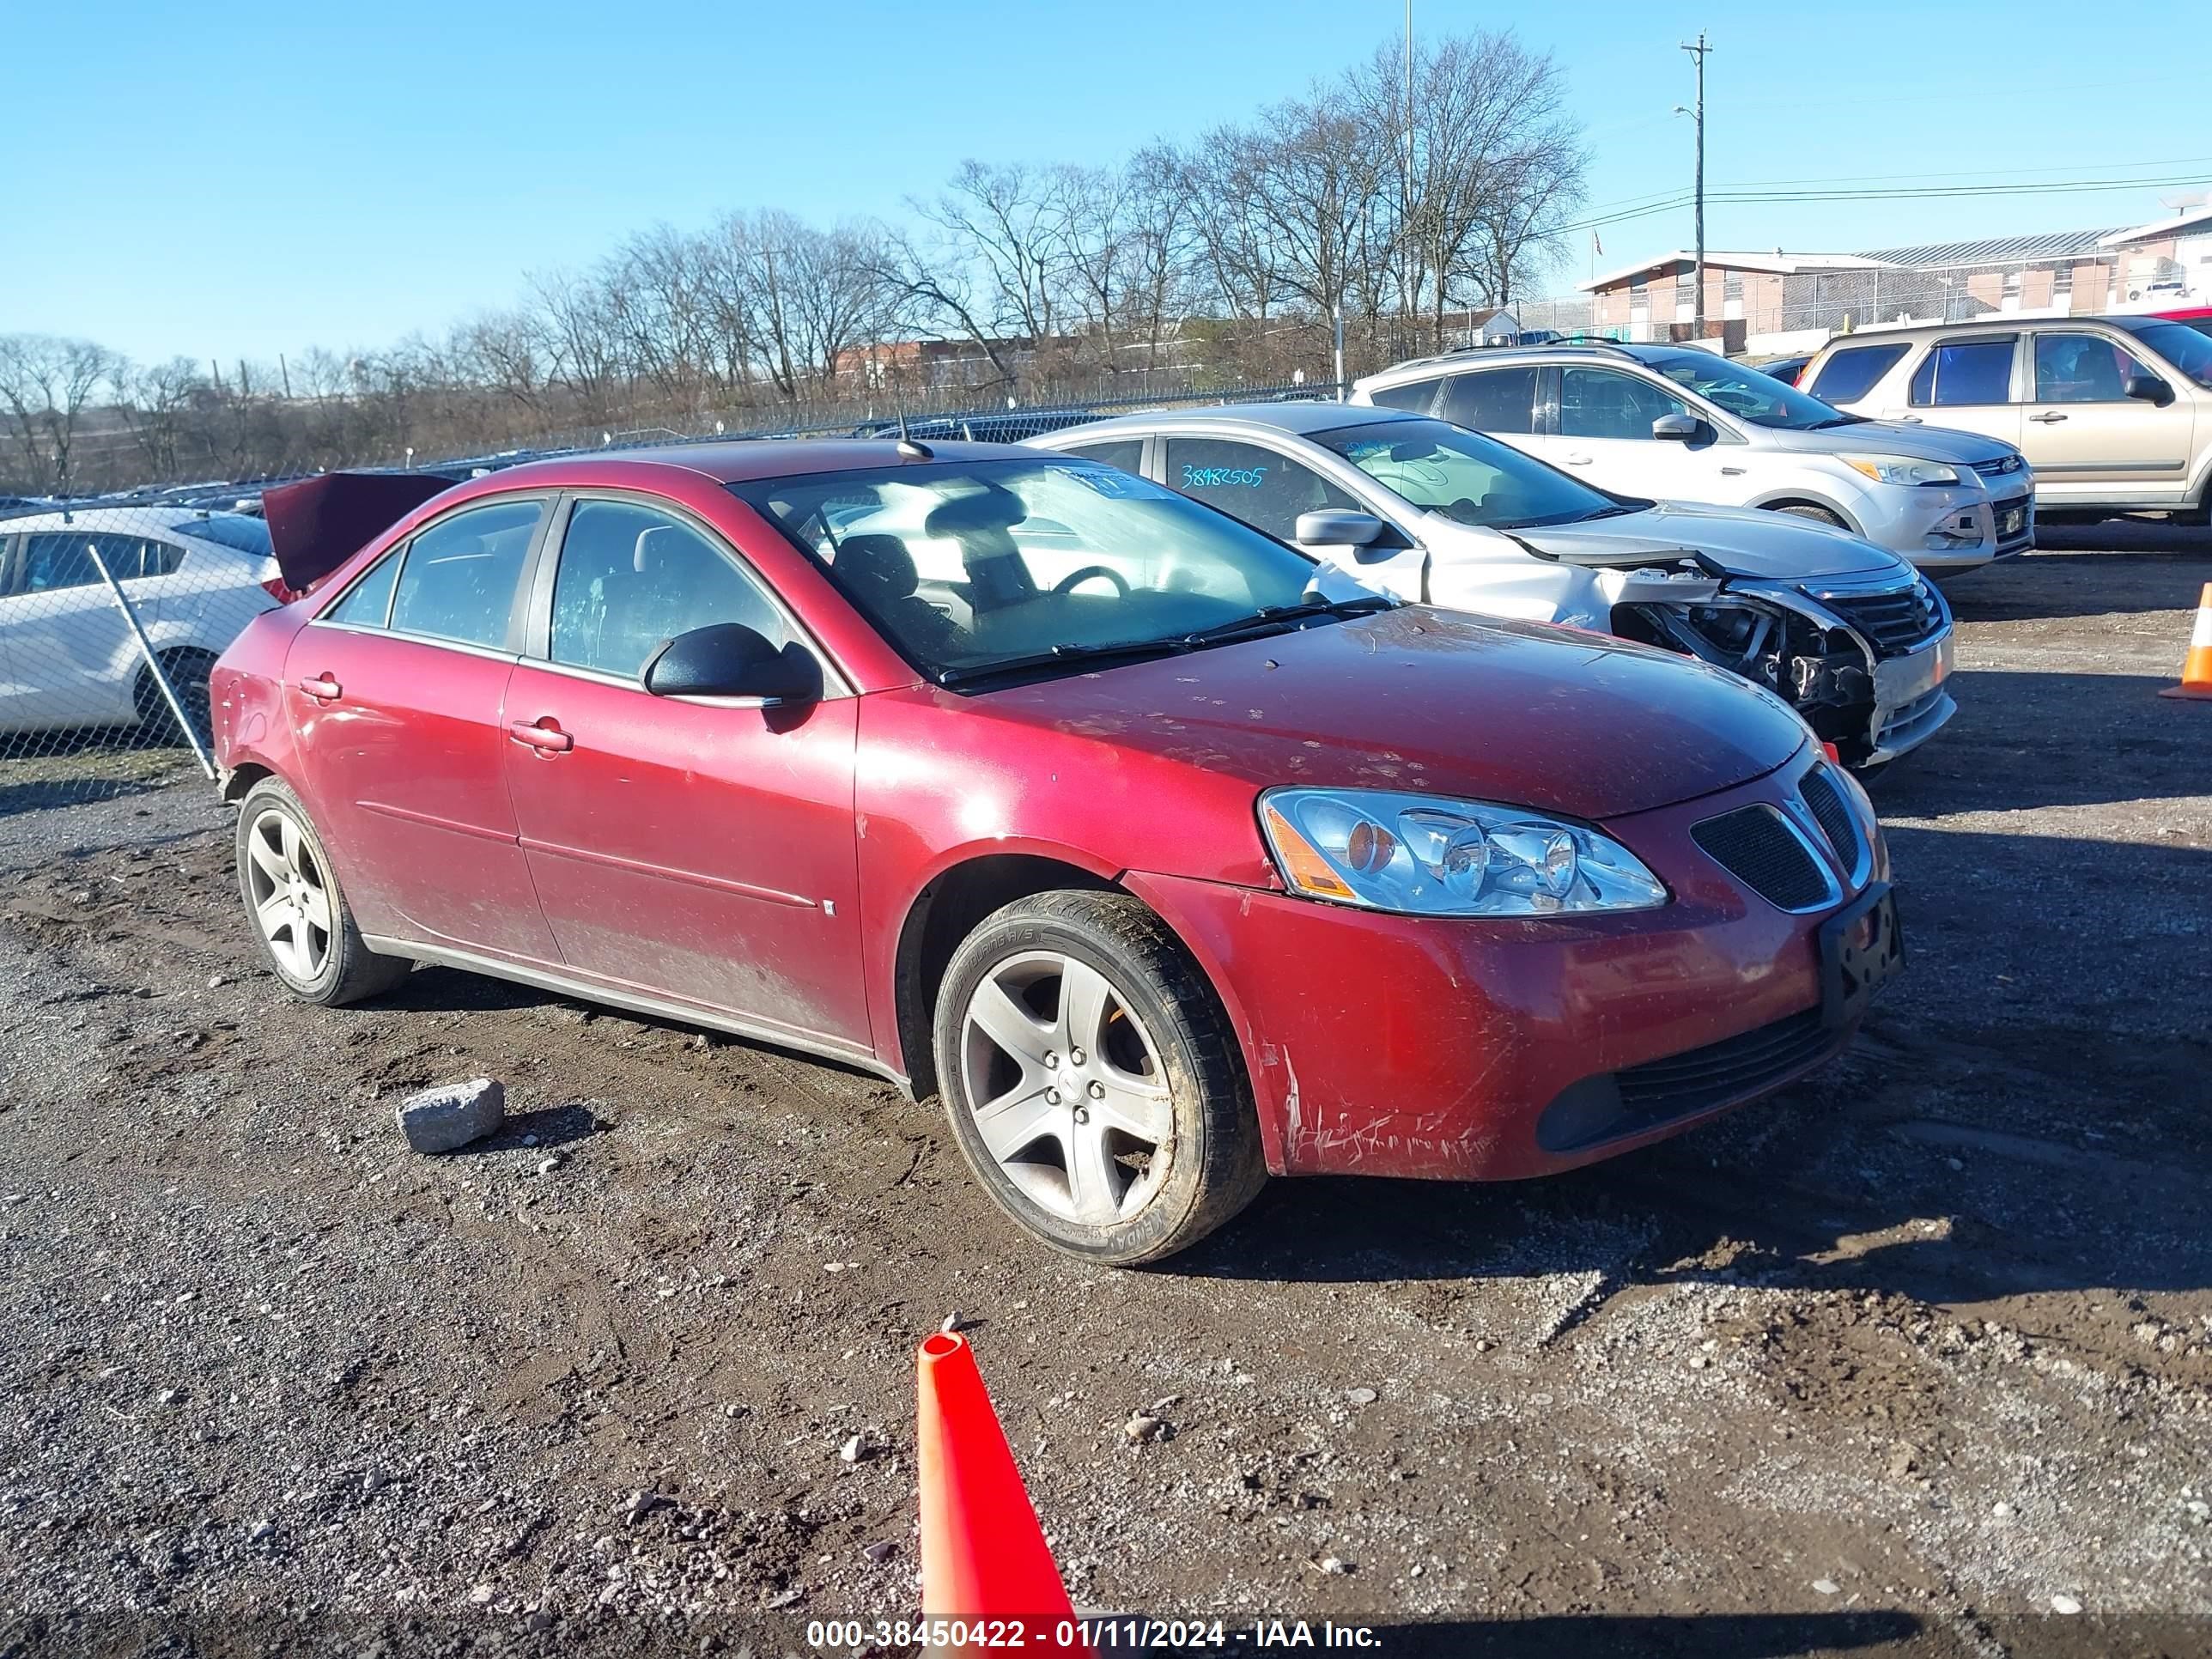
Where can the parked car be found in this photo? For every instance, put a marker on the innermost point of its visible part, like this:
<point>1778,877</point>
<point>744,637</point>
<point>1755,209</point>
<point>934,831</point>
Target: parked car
<point>1845,631</point>
<point>2114,413</point>
<point>1677,423</point>
<point>69,656</point>
<point>1170,871</point>
<point>1784,369</point>
<point>2196,317</point>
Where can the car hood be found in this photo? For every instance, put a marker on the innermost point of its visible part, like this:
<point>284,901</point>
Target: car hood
<point>1922,443</point>
<point>1744,542</point>
<point>1421,699</point>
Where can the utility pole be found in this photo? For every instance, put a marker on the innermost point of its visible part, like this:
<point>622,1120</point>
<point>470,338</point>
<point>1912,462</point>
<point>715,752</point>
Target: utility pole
<point>1697,54</point>
<point>1412,268</point>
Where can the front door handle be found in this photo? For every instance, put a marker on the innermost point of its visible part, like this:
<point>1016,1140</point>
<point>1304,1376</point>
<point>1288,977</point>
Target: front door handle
<point>1575,460</point>
<point>543,735</point>
<point>324,688</point>
<point>2049,417</point>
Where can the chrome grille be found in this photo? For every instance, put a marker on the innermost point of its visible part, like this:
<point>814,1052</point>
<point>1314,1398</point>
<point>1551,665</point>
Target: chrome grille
<point>1893,624</point>
<point>1769,855</point>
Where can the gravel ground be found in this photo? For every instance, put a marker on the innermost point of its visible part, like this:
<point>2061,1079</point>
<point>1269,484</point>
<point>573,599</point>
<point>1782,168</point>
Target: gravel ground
<point>1897,1362</point>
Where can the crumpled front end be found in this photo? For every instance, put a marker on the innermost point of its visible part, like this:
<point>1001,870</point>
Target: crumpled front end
<point>1866,665</point>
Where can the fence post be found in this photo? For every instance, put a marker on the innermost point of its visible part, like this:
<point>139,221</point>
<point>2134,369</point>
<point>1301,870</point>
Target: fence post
<point>146,650</point>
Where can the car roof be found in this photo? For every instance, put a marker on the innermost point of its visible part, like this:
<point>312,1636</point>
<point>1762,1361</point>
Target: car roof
<point>2001,322</point>
<point>742,460</point>
<point>1468,358</point>
<point>1299,417</point>
<point>178,519</point>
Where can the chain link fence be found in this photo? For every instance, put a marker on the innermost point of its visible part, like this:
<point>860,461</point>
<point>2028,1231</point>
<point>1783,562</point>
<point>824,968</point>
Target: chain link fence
<point>111,617</point>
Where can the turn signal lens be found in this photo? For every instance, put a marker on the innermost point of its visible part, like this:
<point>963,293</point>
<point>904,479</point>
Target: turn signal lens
<point>1305,870</point>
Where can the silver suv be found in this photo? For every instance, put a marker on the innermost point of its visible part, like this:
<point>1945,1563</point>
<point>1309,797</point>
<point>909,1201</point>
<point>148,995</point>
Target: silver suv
<point>2115,413</point>
<point>1679,423</point>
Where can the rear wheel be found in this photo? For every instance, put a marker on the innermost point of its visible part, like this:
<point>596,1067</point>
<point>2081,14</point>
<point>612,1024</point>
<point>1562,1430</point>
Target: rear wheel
<point>1092,1081</point>
<point>296,908</point>
<point>188,673</point>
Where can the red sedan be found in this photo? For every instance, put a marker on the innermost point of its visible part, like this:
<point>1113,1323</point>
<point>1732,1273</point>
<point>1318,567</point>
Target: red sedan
<point>1167,858</point>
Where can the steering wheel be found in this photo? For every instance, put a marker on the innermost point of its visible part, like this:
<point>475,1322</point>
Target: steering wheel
<point>1069,583</point>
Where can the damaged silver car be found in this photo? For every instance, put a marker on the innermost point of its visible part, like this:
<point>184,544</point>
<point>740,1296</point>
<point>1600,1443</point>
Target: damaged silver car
<point>1846,632</point>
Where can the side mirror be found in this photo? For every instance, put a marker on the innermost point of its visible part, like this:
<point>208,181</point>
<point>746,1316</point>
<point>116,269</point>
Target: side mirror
<point>1337,527</point>
<point>728,659</point>
<point>2149,389</point>
<point>1676,428</point>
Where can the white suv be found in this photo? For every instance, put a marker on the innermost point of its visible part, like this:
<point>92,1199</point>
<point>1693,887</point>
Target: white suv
<point>1678,423</point>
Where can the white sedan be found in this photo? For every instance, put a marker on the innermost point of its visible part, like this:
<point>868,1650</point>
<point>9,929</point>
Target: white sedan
<point>1843,630</point>
<point>67,657</point>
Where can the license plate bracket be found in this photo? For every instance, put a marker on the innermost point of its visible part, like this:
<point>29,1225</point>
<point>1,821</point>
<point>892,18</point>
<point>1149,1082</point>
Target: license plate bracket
<point>1861,947</point>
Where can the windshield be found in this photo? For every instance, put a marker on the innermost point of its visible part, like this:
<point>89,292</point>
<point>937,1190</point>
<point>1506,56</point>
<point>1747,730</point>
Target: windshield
<point>1464,476</point>
<point>965,566</point>
<point>1747,394</point>
<point>2181,345</point>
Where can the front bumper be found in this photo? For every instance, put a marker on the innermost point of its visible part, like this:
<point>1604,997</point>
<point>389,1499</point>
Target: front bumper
<point>1430,1047</point>
<point>1953,529</point>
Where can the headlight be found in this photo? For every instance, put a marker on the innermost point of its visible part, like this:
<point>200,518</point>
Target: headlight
<point>1421,856</point>
<point>1900,470</point>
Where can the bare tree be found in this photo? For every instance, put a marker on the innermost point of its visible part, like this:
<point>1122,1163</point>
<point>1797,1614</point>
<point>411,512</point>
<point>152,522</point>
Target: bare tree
<point>45,386</point>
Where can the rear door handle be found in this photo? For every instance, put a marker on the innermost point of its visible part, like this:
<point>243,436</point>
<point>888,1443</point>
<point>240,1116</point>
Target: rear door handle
<point>2049,417</point>
<point>323,687</point>
<point>543,735</point>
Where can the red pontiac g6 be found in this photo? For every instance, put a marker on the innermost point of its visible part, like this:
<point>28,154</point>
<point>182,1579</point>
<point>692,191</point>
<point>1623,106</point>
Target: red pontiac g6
<point>1167,858</point>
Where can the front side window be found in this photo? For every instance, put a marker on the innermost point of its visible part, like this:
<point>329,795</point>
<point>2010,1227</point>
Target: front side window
<point>2082,368</point>
<point>1265,489</point>
<point>632,577</point>
<point>57,559</point>
<point>1853,373</point>
<point>1965,372</point>
<point>1412,394</point>
<point>1603,403</point>
<point>1496,400</point>
<point>975,566</point>
<point>2186,345</point>
<point>1437,467</point>
<point>457,581</point>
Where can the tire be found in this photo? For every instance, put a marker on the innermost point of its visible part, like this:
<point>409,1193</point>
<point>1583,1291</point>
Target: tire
<point>325,964</point>
<point>188,673</point>
<point>1167,1064</point>
<point>1817,515</point>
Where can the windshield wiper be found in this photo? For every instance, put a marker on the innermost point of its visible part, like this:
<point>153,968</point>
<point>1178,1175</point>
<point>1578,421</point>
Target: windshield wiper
<point>1612,511</point>
<point>1269,617</point>
<point>1058,655</point>
<point>1840,419</point>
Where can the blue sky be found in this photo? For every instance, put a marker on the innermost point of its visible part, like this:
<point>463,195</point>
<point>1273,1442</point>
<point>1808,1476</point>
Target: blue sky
<point>232,178</point>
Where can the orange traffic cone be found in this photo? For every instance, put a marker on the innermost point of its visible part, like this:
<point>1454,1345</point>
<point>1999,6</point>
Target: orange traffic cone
<point>983,1554</point>
<point>2197,667</point>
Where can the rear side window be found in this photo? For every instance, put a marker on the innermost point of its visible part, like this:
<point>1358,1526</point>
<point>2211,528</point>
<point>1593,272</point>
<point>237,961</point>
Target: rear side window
<point>2082,368</point>
<point>1965,372</point>
<point>458,577</point>
<point>238,531</point>
<point>632,576</point>
<point>1416,395</point>
<point>1850,373</point>
<point>63,559</point>
<point>1127,453</point>
<point>1496,400</point>
<point>368,602</point>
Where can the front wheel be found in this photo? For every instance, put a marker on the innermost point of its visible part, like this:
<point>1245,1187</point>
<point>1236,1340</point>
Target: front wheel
<point>1092,1081</point>
<point>1817,515</point>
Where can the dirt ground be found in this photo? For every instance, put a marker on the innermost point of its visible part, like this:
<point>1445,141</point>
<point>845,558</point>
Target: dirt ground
<point>1884,1365</point>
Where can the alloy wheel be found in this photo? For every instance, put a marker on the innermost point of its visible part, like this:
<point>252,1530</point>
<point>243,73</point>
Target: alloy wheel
<point>1069,1096</point>
<point>290,901</point>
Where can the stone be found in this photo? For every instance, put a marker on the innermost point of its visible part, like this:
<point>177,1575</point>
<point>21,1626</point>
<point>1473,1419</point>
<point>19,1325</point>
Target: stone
<point>1827,1586</point>
<point>880,1551</point>
<point>1361,1397</point>
<point>852,1451</point>
<point>449,1117</point>
<point>2065,1604</point>
<point>1142,1428</point>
